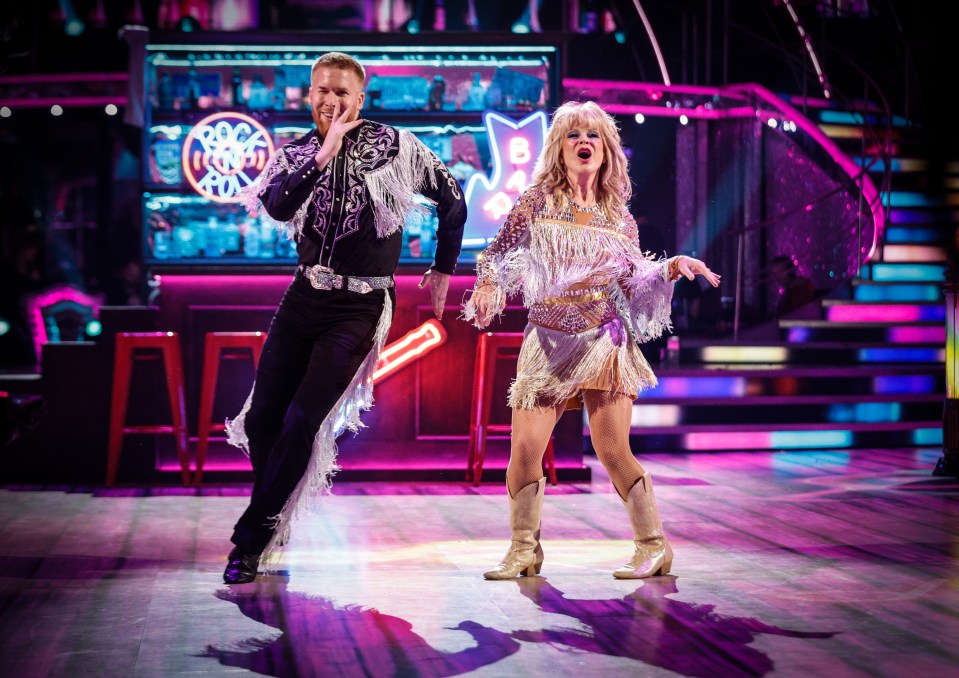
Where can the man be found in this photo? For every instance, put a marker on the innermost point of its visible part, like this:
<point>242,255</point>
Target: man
<point>344,191</point>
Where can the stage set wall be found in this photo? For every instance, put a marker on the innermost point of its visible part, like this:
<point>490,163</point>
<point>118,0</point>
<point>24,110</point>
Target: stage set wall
<point>418,427</point>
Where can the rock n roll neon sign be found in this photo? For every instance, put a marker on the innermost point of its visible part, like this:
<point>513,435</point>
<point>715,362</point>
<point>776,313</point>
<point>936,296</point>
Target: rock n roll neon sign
<point>224,153</point>
<point>515,148</point>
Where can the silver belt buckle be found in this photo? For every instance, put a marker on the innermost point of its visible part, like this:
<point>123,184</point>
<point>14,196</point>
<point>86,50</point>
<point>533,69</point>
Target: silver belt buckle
<point>320,277</point>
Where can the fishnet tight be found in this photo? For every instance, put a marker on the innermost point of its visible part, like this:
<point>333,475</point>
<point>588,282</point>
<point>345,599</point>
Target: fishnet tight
<point>609,417</point>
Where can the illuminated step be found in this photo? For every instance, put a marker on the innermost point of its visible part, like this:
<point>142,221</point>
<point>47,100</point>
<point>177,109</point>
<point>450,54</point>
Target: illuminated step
<point>942,216</point>
<point>913,253</point>
<point>785,412</point>
<point>879,381</point>
<point>834,117</point>
<point>841,131</point>
<point>864,333</point>
<point>867,290</point>
<point>912,199</point>
<point>904,272</point>
<point>916,234</point>
<point>653,404</point>
<point>842,311</point>
<point>834,353</point>
<point>837,436</point>
<point>837,381</point>
<point>895,164</point>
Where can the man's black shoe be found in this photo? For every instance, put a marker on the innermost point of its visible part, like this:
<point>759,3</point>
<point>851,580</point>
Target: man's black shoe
<point>240,567</point>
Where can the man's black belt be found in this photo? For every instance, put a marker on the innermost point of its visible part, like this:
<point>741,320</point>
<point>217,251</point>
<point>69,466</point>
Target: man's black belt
<point>323,278</point>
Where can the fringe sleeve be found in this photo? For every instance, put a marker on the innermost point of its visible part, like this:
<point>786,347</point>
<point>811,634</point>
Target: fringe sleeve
<point>647,293</point>
<point>493,272</point>
<point>392,186</point>
<point>251,194</point>
<point>280,193</point>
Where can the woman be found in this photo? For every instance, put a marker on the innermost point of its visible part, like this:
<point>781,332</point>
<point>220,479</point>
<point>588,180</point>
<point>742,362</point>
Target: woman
<point>571,247</point>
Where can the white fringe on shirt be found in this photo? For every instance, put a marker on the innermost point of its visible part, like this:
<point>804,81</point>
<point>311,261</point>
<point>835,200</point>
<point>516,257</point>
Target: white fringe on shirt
<point>392,186</point>
<point>250,196</point>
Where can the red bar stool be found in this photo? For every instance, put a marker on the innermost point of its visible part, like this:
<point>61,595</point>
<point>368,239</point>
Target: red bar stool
<point>132,346</point>
<point>490,347</point>
<point>214,345</point>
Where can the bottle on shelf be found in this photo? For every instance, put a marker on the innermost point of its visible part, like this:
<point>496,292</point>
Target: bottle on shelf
<point>278,94</point>
<point>161,244</point>
<point>236,88</point>
<point>230,238</point>
<point>476,95</point>
<point>260,96</point>
<point>268,238</point>
<point>250,235</point>
<point>193,86</point>
<point>184,242</point>
<point>439,17</point>
<point>212,239</point>
<point>166,93</point>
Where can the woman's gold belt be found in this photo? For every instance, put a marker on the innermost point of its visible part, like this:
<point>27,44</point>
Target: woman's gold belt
<point>574,313</point>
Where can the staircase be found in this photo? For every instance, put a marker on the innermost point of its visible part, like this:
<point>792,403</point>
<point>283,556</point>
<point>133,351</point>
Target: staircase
<point>866,371</point>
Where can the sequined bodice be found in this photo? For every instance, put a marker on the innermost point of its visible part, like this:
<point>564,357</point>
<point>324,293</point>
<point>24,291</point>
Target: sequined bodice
<point>565,261</point>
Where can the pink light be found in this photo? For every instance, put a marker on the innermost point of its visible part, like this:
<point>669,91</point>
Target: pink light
<point>751,440</point>
<point>61,78</point>
<point>697,112</point>
<point>51,297</point>
<point>917,335</point>
<point>654,90</point>
<point>873,313</point>
<point>66,100</point>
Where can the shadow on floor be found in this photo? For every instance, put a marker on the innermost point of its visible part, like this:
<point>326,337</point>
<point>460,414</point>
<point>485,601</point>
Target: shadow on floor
<point>689,639</point>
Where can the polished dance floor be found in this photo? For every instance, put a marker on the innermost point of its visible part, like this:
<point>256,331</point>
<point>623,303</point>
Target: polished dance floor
<point>790,564</point>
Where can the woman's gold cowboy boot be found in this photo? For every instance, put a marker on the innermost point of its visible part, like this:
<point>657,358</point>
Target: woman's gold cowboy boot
<point>653,553</point>
<point>525,555</point>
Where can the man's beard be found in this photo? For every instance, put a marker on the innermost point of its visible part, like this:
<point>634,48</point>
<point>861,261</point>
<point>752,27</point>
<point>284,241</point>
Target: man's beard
<point>316,118</point>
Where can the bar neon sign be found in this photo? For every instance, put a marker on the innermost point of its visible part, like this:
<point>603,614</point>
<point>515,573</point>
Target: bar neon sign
<point>224,153</point>
<point>515,148</point>
<point>411,347</point>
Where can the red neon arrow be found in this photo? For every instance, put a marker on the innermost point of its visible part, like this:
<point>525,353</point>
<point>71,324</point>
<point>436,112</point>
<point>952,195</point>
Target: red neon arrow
<point>412,346</point>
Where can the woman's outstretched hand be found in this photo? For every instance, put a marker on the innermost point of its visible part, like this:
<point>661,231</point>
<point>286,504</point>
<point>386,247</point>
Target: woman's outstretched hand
<point>690,267</point>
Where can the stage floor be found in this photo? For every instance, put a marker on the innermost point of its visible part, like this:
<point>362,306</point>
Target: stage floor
<point>790,564</point>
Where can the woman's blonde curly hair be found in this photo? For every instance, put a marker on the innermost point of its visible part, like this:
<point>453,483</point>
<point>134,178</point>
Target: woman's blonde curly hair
<point>614,190</point>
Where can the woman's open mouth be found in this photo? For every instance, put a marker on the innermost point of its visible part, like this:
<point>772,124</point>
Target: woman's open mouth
<point>584,154</point>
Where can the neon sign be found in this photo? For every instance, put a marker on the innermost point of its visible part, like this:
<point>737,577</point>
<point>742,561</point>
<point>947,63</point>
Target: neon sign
<point>515,148</point>
<point>224,153</point>
<point>412,346</point>
<point>45,309</point>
